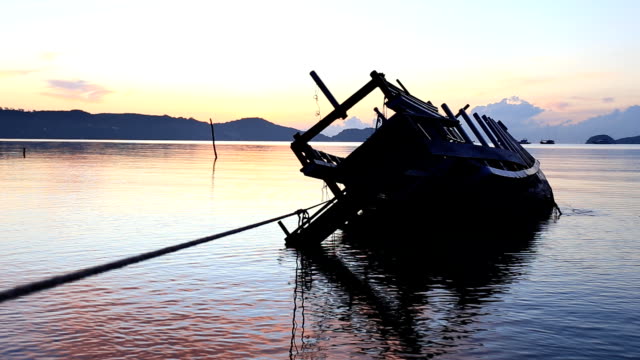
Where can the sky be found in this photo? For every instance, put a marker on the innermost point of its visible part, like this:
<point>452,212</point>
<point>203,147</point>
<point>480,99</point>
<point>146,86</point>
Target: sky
<point>228,60</point>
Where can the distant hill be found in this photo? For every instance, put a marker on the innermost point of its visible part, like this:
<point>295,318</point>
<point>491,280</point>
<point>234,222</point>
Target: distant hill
<point>255,129</point>
<point>353,135</point>
<point>601,139</point>
<point>629,140</point>
<point>77,124</point>
<point>606,139</point>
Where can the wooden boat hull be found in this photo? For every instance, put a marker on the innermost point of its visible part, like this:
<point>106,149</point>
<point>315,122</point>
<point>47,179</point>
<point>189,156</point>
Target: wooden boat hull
<point>381,169</point>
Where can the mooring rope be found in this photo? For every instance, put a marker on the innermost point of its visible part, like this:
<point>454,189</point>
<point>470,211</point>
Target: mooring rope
<point>54,281</point>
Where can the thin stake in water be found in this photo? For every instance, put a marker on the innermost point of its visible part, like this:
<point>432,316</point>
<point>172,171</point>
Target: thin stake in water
<point>213,140</point>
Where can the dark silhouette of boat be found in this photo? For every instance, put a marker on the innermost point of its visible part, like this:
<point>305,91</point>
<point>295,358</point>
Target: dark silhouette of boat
<point>524,141</point>
<point>419,169</point>
<point>547,141</point>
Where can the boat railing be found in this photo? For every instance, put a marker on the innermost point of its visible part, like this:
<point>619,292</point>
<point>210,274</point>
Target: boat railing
<point>398,100</point>
<point>429,122</point>
<point>326,158</point>
<point>462,112</point>
<point>496,131</point>
<point>307,154</point>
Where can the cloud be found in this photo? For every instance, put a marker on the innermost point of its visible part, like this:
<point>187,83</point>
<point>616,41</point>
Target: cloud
<point>617,124</point>
<point>8,73</point>
<point>559,106</point>
<point>525,120</point>
<point>608,100</point>
<point>77,90</point>
<point>512,110</point>
<point>517,114</point>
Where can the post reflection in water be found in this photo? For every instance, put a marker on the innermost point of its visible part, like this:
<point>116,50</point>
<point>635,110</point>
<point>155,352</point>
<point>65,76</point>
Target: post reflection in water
<point>213,175</point>
<point>380,295</point>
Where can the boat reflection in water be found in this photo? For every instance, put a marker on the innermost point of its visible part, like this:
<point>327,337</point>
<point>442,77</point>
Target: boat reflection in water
<point>361,295</point>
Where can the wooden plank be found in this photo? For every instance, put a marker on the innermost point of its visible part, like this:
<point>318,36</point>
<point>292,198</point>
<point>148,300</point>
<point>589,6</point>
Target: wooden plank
<point>474,152</point>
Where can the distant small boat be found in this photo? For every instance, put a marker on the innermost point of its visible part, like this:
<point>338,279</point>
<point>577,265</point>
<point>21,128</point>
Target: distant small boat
<point>547,141</point>
<point>524,141</point>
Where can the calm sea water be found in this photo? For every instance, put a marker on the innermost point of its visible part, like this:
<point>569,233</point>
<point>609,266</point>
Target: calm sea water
<point>569,290</point>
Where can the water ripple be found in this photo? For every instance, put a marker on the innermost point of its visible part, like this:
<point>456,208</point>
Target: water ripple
<point>570,290</point>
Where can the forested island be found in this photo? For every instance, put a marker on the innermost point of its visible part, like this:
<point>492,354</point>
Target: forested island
<point>606,139</point>
<point>78,124</point>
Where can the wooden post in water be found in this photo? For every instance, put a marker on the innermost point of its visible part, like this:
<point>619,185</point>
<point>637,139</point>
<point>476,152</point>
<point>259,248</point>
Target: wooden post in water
<point>24,152</point>
<point>213,139</point>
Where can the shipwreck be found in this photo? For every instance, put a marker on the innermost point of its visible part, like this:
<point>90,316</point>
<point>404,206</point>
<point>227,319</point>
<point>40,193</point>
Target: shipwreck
<point>422,165</point>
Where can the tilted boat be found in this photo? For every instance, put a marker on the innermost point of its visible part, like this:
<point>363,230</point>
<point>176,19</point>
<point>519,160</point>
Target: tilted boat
<point>420,166</point>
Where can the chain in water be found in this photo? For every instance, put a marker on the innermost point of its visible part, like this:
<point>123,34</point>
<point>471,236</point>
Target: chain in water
<point>325,192</point>
<point>315,97</point>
